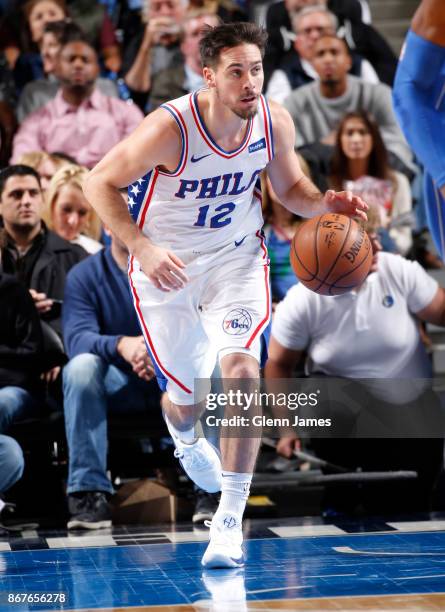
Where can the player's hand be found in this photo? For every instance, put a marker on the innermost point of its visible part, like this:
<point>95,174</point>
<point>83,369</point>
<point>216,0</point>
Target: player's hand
<point>163,268</point>
<point>41,301</point>
<point>345,203</point>
<point>287,445</point>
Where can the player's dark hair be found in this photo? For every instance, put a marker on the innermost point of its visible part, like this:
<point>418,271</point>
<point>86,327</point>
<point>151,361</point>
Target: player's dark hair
<point>378,165</point>
<point>16,170</point>
<point>229,35</point>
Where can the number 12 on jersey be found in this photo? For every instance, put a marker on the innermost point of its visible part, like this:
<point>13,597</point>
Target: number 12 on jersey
<point>220,219</point>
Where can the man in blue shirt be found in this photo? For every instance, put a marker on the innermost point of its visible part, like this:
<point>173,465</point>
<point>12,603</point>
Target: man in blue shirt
<point>109,369</point>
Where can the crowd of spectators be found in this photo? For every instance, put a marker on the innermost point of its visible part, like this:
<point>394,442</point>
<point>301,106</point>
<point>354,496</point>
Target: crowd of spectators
<point>76,77</point>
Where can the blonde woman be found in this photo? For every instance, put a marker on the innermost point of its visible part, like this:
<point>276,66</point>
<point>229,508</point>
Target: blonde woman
<point>67,211</point>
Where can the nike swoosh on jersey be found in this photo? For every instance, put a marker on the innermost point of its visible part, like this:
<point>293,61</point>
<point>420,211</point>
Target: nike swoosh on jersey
<point>240,242</point>
<point>194,159</point>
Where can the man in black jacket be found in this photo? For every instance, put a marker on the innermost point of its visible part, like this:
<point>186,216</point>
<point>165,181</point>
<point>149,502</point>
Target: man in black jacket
<point>21,362</point>
<point>38,257</point>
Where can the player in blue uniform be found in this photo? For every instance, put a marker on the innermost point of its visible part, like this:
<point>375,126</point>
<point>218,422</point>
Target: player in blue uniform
<point>419,101</point>
<point>198,266</point>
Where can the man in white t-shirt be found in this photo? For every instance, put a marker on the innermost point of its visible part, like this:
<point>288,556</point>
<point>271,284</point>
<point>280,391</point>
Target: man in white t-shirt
<point>369,333</point>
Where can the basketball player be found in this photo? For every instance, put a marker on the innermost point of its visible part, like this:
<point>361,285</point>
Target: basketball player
<point>198,267</point>
<point>419,101</point>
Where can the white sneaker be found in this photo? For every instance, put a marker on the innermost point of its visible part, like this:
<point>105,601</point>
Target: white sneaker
<point>226,538</point>
<point>201,463</point>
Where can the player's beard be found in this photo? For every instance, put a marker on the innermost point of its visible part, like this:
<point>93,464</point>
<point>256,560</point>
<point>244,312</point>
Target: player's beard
<point>247,114</point>
<point>239,112</point>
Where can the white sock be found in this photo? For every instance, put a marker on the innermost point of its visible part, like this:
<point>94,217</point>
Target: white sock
<point>234,493</point>
<point>188,436</point>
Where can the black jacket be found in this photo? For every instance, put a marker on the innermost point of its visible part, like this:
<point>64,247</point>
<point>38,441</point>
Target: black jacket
<point>21,340</point>
<point>56,257</point>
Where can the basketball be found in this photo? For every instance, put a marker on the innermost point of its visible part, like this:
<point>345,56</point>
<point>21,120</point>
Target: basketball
<point>331,254</point>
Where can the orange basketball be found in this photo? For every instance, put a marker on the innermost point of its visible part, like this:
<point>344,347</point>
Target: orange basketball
<point>331,254</point>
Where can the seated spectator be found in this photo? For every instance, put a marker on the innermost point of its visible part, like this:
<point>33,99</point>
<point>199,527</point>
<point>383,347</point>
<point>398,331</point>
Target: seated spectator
<point>35,15</point>
<point>182,79</point>
<point>34,254</point>
<point>157,47</point>
<point>360,165</point>
<point>371,332</point>
<point>21,350</point>
<point>22,361</point>
<point>318,107</point>
<point>39,92</point>
<point>80,121</point>
<point>22,31</point>
<point>94,20</point>
<point>68,212</point>
<point>109,370</point>
<point>362,38</point>
<point>45,164</point>
<point>296,67</point>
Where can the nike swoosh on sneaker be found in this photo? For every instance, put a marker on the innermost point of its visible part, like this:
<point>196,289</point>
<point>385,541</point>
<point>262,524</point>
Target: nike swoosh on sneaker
<point>239,561</point>
<point>194,159</point>
<point>240,242</point>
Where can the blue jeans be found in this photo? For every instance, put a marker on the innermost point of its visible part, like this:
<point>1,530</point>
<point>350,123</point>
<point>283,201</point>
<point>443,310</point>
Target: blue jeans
<point>15,404</point>
<point>91,387</point>
<point>11,462</point>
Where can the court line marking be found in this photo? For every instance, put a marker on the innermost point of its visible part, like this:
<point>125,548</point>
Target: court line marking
<point>419,577</point>
<point>408,526</point>
<point>307,530</point>
<point>351,551</point>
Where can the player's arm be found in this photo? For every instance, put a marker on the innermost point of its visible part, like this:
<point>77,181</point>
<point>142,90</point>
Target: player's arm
<point>155,142</point>
<point>418,106</point>
<point>429,21</point>
<point>297,193</point>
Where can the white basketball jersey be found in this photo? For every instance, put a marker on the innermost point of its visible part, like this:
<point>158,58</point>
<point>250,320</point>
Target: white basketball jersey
<point>212,198</point>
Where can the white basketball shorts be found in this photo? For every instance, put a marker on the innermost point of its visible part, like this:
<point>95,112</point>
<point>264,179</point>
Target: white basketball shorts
<point>224,308</point>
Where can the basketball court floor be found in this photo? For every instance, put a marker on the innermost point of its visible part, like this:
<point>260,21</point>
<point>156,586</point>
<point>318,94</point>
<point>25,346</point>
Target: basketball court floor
<point>293,564</point>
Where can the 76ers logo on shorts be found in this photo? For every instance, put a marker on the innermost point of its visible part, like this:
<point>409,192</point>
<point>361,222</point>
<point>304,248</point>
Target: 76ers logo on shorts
<point>237,322</point>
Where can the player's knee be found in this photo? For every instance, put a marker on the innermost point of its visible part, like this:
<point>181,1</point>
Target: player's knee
<point>181,416</point>
<point>239,366</point>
